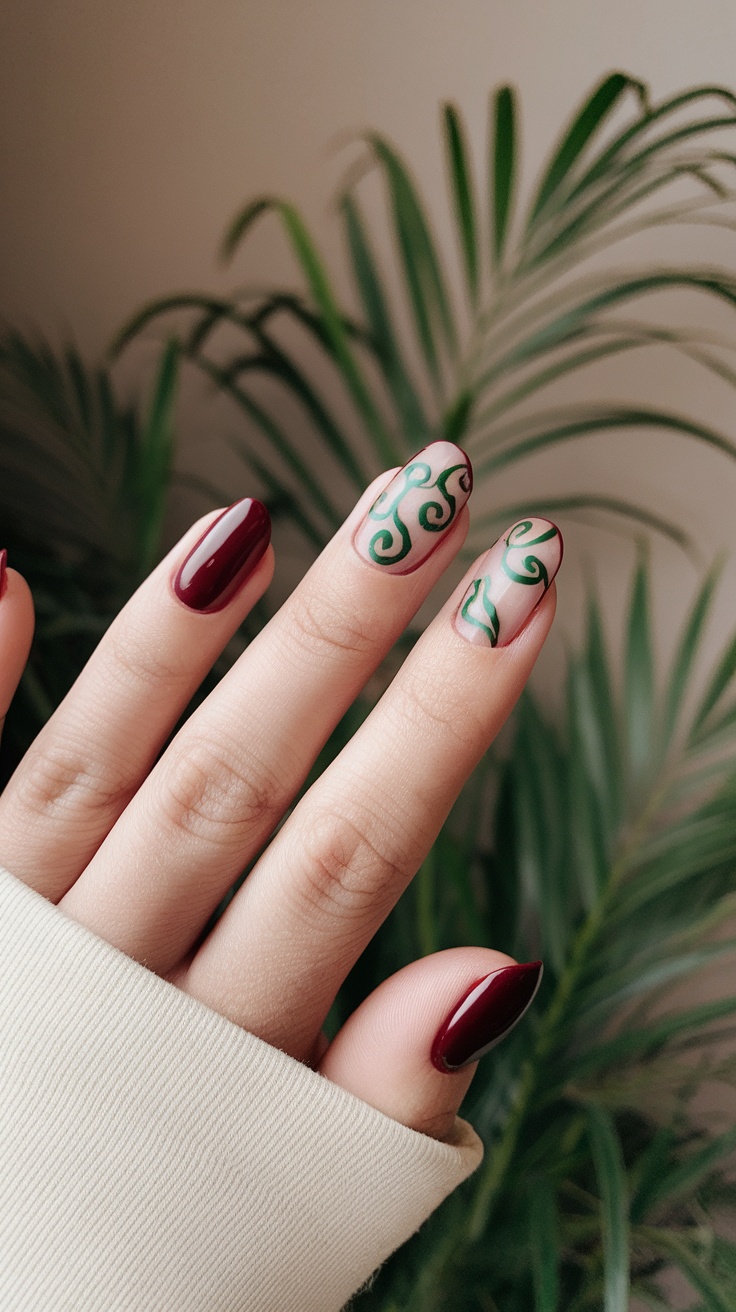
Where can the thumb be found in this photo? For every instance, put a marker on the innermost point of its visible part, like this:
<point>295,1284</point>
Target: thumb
<point>16,632</point>
<point>411,1048</point>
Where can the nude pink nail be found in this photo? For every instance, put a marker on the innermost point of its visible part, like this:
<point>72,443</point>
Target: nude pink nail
<point>409,519</point>
<point>509,583</point>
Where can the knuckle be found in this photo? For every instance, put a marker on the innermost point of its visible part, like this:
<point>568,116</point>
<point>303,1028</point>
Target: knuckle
<point>320,619</point>
<point>211,793</point>
<point>441,707</point>
<point>347,873</point>
<point>58,779</point>
<point>132,654</point>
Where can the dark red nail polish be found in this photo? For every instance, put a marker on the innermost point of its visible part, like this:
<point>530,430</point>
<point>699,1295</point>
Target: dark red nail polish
<point>3,570</point>
<point>224,557</point>
<point>485,1015</point>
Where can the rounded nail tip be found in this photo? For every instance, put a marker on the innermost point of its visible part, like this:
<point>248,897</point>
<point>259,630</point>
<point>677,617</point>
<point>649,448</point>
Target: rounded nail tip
<point>253,528</point>
<point>446,441</point>
<point>518,970</point>
<point>220,602</point>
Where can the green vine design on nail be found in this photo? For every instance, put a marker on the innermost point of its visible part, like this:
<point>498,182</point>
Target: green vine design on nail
<point>536,570</point>
<point>392,543</point>
<point>441,518</point>
<point>490,623</point>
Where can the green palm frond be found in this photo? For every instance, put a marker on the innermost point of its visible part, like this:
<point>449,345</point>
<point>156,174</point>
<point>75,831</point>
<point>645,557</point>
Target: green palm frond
<point>84,482</point>
<point>620,866</point>
<point>423,359</point>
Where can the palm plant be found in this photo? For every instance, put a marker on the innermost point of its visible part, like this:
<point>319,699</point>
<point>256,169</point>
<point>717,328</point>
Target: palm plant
<point>535,307</point>
<point>613,859</point>
<point>83,487</point>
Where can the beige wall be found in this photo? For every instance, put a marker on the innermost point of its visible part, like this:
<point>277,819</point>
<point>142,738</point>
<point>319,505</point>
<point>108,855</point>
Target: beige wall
<point>130,132</point>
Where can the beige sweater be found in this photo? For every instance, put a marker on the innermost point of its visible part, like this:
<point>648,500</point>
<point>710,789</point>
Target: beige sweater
<point>155,1157</point>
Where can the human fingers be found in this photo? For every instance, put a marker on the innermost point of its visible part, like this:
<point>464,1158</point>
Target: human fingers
<point>277,956</point>
<point>92,754</point>
<point>16,631</point>
<point>221,786</point>
<point>412,1047</point>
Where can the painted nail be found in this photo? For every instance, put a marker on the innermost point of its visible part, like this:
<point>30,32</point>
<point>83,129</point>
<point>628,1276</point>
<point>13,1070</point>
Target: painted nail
<point>224,557</point>
<point>407,521</point>
<point>3,570</point>
<point>485,1015</point>
<point>510,582</point>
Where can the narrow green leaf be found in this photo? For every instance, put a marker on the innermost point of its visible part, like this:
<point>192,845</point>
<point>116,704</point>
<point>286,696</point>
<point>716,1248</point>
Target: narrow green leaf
<point>328,306</point>
<point>280,498</point>
<point>635,1043</point>
<point>551,506</point>
<point>583,128</point>
<point>375,305</point>
<point>544,1242</point>
<point>587,796</point>
<point>455,421</point>
<point>686,653</point>
<point>461,186</point>
<point>539,807</point>
<point>277,438</point>
<point>420,261</point>
<point>611,1175</point>
<point>618,987</point>
<point>564,426</point>
<point>502,170</point>
<point>320,287</point>
<point>674,1245</point>
<point>641,179</point>
<point>242,222</point>
<point>719,683</point>
<point>81,390</point>
<point>639,678</point>
<point>156,455</point>
<point>576,310</point>
<point>647,1169</point>
<point>155,309</point>
<point>276,362</point>
<point>157,432</point>
<point>615,148</point>
<point>686,1175</point>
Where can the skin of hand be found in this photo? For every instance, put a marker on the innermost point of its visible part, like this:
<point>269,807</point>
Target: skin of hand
<point>141,846</point>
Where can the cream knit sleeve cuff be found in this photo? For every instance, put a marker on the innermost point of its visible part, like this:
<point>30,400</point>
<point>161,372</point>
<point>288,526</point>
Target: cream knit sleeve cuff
<point>155,1157</point>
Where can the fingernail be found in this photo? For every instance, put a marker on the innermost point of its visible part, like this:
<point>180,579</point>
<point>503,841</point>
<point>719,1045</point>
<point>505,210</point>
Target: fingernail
<point>407,521</point>
<point>485,1014</point>
<point>3,570</point>
<point>510,582</point>
<point>224,557</point>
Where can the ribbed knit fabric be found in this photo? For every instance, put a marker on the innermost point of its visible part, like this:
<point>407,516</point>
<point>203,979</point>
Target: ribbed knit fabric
<point>156,1158</point>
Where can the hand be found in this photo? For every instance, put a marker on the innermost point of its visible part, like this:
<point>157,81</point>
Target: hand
<point>141,848</point>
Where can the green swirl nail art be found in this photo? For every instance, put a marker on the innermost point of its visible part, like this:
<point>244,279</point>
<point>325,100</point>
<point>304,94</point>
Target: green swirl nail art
<point>536,570</point>
<point>393,542</point>
<point>487,621</point>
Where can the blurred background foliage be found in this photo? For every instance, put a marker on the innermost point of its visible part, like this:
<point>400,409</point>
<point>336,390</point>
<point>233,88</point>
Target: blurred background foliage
<point>602,839</point>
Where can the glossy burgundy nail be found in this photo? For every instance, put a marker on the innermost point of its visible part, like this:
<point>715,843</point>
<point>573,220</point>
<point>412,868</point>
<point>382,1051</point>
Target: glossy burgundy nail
<point>485,1015</point>
<point>3,570</point>
<point>224,557</point>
